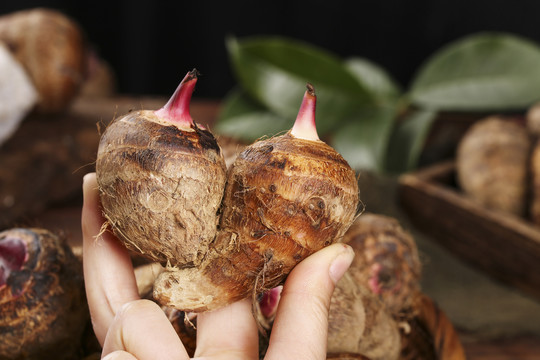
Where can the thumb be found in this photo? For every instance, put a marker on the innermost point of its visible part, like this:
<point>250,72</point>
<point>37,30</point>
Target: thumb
<point>301,325</point>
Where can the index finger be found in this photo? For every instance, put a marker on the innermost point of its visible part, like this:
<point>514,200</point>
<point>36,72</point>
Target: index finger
<point>108,271</point>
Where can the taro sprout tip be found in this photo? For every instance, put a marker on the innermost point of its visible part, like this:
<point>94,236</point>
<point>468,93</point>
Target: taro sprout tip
<point>177,108</point>
<point>304,126</point>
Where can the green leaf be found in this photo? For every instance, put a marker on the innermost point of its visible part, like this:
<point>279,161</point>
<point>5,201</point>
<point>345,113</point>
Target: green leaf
<point>374,78</point>
<point>246,120</point>
<point>363,141</point>
<point>274,71</point>
<point>486,71</point>
<point>408,139</point>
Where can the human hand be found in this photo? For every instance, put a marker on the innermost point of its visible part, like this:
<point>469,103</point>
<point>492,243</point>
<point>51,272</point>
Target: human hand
<point>131,328</point>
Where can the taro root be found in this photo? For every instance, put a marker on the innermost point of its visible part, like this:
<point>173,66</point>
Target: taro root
<point>286,197</point>
<point>386,262</point>
<point>492,163</point>
<point>42,300</point>
<point>161,179</point>
<point>386,274</point>
<point>358,323</point>
<point>387,265</point>
<point>51,47</point>
<point>346,316</point>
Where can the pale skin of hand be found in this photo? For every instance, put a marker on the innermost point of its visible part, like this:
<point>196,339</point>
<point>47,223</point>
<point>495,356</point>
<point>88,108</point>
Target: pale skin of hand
<point>131,328</point>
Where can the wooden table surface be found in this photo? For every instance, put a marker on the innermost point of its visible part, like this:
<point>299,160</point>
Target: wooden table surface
<point>65,217</point>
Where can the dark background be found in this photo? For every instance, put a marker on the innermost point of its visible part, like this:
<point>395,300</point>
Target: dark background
<point>152,44</point>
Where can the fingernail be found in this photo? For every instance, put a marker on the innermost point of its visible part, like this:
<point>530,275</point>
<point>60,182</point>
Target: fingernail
<point>341,263</point>
<point>88,182</point>
<point>86,177</point>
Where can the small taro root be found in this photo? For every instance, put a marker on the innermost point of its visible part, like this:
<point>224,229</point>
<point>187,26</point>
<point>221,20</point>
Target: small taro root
<point>358,323</point>
<point>52,49</point>
<point>42,302</point>
<point>286,197</point>
<point>346,317</point>
<point>386,262</point>
<point>161,179</point>
<point>492,163</point>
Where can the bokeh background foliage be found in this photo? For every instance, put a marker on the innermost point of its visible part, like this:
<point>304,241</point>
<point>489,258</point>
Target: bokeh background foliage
<point>361,110</point>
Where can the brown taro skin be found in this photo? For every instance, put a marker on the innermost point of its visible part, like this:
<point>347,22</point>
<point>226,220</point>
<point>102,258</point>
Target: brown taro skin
<point>286,197</point>
<point>42,303</point>
<point>359,323</point>
<point>386,262</point>
<point>492,164</point>
<point>346,317</point>
<point>161,186</point>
